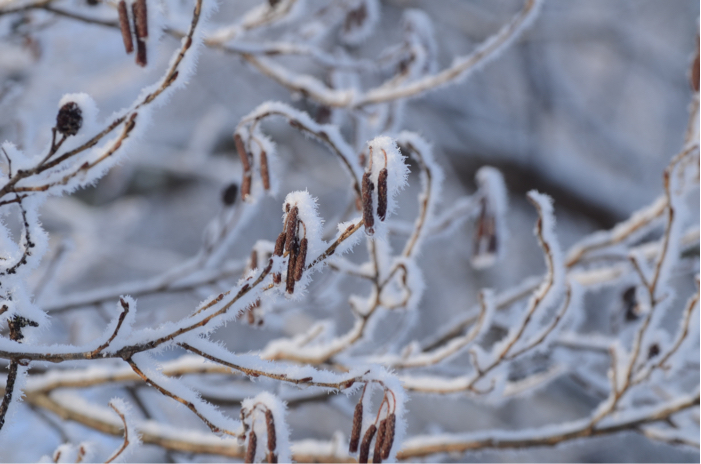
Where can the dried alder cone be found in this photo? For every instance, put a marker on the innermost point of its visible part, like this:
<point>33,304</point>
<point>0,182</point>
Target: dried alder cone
<point>229,194</point>
<point>69,119</point>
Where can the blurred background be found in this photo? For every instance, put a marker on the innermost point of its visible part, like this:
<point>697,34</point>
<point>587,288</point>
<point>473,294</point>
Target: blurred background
<point>588,106</point>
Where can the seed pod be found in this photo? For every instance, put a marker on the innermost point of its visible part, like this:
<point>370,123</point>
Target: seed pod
<point>301,259</point>
<point>140,21</point>
<point>365,445</point>
<point>357,424</point>
<point>125,27</point>
<point>389,435</point>
<point>270,424</point>
<point>291,228</point>
<point>368,217</point>
<point>264,174</point>
<point>228,196</point>
<point>69,119</point>
<point>379,441</point>
<point>251,449</point>
<point>382,194</point>
<point>246,186</point>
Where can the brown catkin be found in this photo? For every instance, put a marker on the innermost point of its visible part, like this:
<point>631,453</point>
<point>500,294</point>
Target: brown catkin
<point>264,174</point>
<point>246,186</point>
<point>270,424</point>
<point>292,260</point>
<point>279,248</point>
<point>382,194</point>
<point>377,453</point>
<point>368,218</point>
<point>389,435</point>
<point>140,42</point>
<point>141,53</point>
<point>125,27</point>
<point>140,19</point>
<point>251,449</point>
<point>357,424</point>
<point>279,244</point>
<point>238,141</point>
<point>301,259</point>
<point>291,228</point>
<point>365,445</point>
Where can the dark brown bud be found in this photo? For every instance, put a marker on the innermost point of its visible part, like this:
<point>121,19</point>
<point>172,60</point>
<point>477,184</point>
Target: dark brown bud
<point>379,441</point>
<point>368,218</point>
<point>140,19</point>
<point>264,174</point>
<point>251,449</point>
<point>382,194</point>
<point>653,351</point>
<point>246,186</point>
<point>291,228</point>
<point>125,27</point>
<point>365,445</point>
<point>228,196</point>
<point>69,119</point>
<point>245,162</point>
<point>270,424</point>
<point>631,304</point>
<point>301,259</point>
<point>357,424</point>
<point>389,435</point>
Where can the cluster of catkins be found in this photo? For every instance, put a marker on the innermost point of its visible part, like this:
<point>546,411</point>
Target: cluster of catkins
<point>367,189</point>
<point>140,28</point>
<point>246,158</point>
<point>382,433</point>
<point>248,415</point>
<point>288,243</point>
